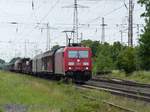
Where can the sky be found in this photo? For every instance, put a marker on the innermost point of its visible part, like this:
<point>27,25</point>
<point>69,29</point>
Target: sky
<point>28,38</point>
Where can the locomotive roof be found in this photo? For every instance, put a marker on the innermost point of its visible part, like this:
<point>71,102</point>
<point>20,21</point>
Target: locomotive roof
<point>50,53</point>
<point>75,48</point>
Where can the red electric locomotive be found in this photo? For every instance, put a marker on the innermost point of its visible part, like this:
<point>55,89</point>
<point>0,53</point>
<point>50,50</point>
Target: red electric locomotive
<point>78,62</point>
<point>71,62</point>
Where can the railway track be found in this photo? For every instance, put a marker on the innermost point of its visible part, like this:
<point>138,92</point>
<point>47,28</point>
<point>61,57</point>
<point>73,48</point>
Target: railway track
<point>120,81</point>
<point>123,88</point>
<point>125,109</point>
<point>111,104</point>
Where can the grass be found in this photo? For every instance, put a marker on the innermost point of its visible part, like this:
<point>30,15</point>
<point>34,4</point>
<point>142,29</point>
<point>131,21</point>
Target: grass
<point>138,76</point>
<point>39,95</point>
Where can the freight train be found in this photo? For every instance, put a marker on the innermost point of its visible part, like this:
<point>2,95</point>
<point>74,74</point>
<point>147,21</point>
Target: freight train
<point>70,62</point>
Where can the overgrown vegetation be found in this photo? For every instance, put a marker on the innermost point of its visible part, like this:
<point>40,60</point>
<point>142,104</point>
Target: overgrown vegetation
<point>2,62</point>
<point>138,76</point>
<point>108,57</point>
<point>126,60</point>
<point>144,50</point>
<point>38,95</point>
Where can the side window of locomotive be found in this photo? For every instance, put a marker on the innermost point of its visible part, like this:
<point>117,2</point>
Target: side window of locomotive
<point>72,54</point>
<point>83,54</point>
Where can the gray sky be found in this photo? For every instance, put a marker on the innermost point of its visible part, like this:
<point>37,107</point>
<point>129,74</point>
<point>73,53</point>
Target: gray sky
<point>13,37</point>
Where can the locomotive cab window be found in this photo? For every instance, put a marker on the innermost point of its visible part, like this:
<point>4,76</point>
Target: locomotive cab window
<point>83,54</point>
<point>72,54</point>
<point>78,54</point>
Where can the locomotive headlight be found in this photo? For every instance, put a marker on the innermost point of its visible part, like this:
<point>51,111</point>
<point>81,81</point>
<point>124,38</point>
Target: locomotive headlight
<point>70,63</point>
<point>70,68</point>
<point>85,63</point>
<point>87,68</point>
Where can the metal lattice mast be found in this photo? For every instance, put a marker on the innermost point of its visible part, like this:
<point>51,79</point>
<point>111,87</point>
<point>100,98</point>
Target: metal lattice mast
<point>103,30</point>
<point>75,22</point>
<point>48,37</point>
<point>130,24</point>
<point>75,29</point>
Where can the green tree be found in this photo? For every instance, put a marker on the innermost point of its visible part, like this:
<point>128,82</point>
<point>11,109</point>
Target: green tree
<point>2,61</point>
<point>92,44</point>
<point>103,63</point>
<point>126,60</point>
<point>87,43</point>
<point>55,47</point>
<point>94,47</point>
<point>115,50</point>
<point>104,49</point>
<point>14,60</point>
<point>144,50</point>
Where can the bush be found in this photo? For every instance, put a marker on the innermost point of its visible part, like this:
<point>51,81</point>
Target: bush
<point>126,60</point>
<point>103,63</point>
<point>144,51</point>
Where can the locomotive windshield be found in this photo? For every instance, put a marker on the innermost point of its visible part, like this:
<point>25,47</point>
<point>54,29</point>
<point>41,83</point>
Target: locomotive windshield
<point>78,54</point>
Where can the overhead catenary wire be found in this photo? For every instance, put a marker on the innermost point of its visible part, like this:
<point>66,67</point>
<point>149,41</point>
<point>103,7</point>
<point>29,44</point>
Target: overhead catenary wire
<point>50,10</point>
<point>29,31</point>
<point>112,11</point>
<point>43,18</point>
